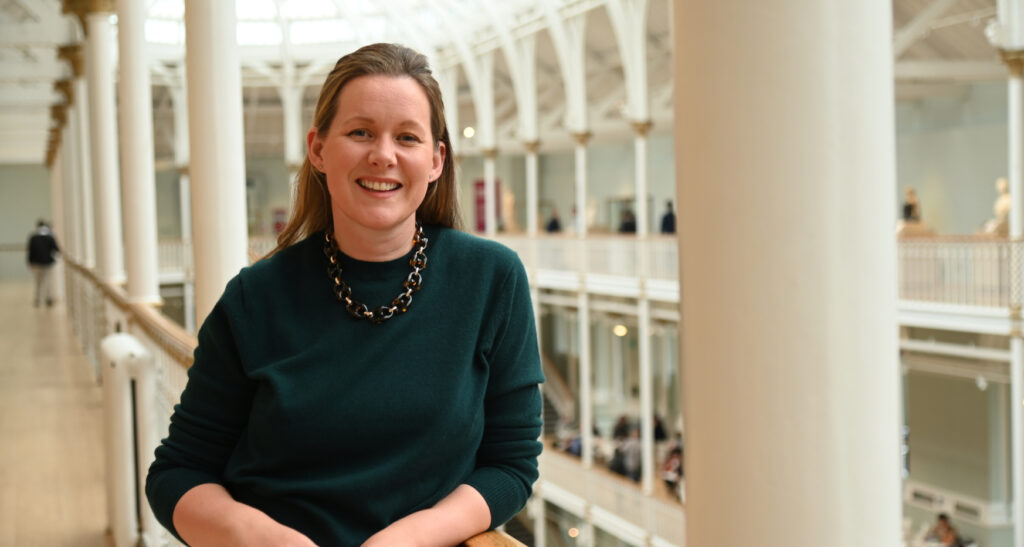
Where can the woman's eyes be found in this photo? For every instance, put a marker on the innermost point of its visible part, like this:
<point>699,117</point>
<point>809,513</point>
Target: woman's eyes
<point>408,138</point>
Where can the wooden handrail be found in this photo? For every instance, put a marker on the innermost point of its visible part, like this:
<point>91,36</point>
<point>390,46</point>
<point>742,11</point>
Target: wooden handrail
<point>171,337</point>
<point>493,538</point>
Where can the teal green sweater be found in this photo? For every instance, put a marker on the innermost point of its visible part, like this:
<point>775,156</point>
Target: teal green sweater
<point>338,427</point>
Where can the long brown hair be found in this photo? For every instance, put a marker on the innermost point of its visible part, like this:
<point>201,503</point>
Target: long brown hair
<point>312,211</point>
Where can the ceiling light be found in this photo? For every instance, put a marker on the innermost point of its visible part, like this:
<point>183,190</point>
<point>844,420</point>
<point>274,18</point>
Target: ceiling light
<point>620,330</point>
<point>468,132</point>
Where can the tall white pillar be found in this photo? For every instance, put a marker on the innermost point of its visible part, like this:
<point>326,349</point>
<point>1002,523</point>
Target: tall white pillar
<point>586,417</point>
<point>640,175</point>
<point>217,149</point>
<point>72,237</point>
<point>792,385</point>
<point>83,153</point>
<point>540,538</point>
<point>490,203</point>
<point>181,154</point>
<point>646,395</point>
<point>99,66</point>
<point>291,105</point>
<point>580,153</point>
<point>57,203</point>
<point>532,197</point>
<point>138,177</point>
<point>1014,60</point>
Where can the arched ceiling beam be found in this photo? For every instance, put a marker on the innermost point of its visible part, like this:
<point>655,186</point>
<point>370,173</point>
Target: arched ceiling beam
<point>919,26</point>
<point>629,24</point>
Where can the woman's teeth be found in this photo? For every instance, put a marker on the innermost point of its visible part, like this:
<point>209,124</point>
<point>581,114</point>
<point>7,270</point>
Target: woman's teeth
<point>378,186</point>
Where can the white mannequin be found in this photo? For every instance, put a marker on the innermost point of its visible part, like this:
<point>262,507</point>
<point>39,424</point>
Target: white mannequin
<point>1000,225</point>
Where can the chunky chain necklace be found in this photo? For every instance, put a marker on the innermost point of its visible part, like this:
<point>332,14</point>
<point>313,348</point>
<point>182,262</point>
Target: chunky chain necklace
<point>400,304</point>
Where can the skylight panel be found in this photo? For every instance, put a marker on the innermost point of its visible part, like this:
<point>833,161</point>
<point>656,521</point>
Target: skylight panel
<point>320,32</point>
<point>262,33</point>
<point>308,9</point>
<point>256,10</point>
<point>162,31</point>
<point>167,9</point>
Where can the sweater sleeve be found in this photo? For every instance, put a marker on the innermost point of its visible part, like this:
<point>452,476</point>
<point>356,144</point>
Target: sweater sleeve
<point>506,465</point>
<point>214,408</point>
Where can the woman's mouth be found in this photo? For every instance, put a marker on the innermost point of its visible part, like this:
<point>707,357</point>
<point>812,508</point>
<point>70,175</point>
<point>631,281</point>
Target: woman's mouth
<point>378,185</point>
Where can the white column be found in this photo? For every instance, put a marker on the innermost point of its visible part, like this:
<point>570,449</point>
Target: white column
<point>586,418</point>
<point>291,105</point>
<point>490,203</point>
<point>71,246</point>
<point>1015,122</point>
<point>792,385</point>
<point>540,537</point>
<point>217,149</point>
<point>646,395</point>
<point>99,66</point>
<point>138,177</point>
<point>999,444</point>
<point>180,102</point>
<point>532,199</point>
<point>581,182</point>
<point>640,175</point>
<point>57,212</point>
<point>83,153</point>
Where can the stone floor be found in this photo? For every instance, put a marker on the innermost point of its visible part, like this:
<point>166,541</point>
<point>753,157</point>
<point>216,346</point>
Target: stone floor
<point>51,451</point>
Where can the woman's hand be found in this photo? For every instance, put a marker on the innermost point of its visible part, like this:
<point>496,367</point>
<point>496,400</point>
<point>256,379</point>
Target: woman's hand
<point>459,516</point>
<point>207,515</point>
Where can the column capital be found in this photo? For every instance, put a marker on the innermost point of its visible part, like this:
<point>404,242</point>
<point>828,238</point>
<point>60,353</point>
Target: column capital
<point>532,146</point>
<point>642,127</point>
<point>490,153</point>
<point>1014,60</point>
<point>582,137</point>
<point>65,88</point>
<point>182,170</point>
<point>72,53</point>
<point>59,113</point>
<point>83,8</point>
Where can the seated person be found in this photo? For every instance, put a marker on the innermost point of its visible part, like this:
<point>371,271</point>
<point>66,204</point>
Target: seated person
<point>943,532</point>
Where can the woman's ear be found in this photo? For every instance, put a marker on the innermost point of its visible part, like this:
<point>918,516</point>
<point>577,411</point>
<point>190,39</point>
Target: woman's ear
<point>438,163</point>
<point>315,147</point>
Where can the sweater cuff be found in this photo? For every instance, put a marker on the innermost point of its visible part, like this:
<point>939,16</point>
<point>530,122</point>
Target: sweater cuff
<point>503,495</point>
<point>165,492</point>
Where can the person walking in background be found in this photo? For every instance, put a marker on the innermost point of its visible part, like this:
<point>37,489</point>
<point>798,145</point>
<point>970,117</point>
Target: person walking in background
<point>668,220</point>
<point>554,225</point>
<point>42,247</point>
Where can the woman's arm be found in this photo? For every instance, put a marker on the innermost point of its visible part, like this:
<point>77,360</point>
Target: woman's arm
<point>456,518</point>
<point>208,515</point>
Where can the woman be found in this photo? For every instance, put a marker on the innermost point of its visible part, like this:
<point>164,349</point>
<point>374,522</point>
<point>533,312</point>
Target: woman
<point>324,409</point>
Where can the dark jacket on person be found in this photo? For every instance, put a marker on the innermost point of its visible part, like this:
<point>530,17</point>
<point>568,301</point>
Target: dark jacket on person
<point>41,247</point>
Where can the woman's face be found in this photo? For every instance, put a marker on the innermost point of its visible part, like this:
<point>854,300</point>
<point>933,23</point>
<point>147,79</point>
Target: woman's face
<point>379,155</point>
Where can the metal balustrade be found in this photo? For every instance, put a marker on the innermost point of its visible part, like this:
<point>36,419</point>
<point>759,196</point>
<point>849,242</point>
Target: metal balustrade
<point>964,271</point>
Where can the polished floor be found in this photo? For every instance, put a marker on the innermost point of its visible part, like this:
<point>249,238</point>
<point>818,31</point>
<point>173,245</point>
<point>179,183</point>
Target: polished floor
<point>51,452</point>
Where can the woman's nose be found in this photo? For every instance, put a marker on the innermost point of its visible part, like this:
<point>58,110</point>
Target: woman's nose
<point>382,154</point>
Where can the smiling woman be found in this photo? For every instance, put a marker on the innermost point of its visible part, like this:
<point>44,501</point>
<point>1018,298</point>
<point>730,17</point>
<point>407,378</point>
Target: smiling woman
<point>312,418</point>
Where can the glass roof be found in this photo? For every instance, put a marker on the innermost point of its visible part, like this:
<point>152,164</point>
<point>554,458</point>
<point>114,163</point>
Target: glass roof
<point>333,21</point>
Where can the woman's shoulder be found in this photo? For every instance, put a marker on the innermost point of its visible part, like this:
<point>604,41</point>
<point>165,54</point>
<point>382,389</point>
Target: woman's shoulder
<point>283,265</point>
<point>475,248</point>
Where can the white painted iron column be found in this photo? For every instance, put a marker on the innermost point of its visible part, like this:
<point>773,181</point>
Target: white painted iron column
<point>217,149</point>
<point>532,197</point>
<point>580,153</point>
<point>785,135</point>
<point>640,175</point>
<point>1006,33</point>
<point>586,383</point>
<point>180,104</point>
<point>99,67</point>
<point>490,201</point>
<point>138,177</point>
<point>1015,123</point>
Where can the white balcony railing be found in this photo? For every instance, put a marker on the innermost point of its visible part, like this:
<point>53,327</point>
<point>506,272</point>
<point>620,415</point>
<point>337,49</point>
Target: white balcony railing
<point>965,271</point>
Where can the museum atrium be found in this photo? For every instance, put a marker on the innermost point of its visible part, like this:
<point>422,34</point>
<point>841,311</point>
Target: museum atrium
<point>782,238</point>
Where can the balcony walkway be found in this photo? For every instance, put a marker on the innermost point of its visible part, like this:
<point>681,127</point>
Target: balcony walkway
<point>51,431</point>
